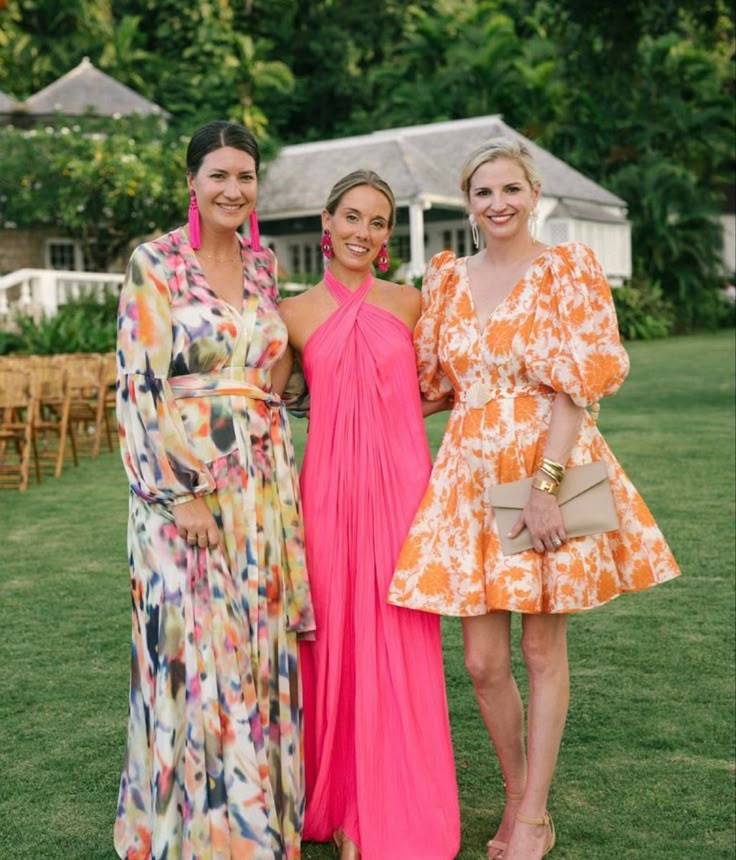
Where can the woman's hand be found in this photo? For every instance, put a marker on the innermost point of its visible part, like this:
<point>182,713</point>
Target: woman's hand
<point>542,514</point>
<point>543,518</point>
<point>195,523</point>
<point>429,407</point>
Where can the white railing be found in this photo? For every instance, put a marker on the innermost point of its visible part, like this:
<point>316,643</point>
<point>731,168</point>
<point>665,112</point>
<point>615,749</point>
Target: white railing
<point>40,291</point>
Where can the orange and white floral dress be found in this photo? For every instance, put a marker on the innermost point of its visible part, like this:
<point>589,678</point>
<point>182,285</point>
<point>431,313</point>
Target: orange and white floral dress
<point>556,331</point>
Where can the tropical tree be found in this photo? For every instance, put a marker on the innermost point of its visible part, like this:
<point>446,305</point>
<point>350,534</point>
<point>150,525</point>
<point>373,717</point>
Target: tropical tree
<point>199,66</point>
<point>40,40</point>
<point>105,190</point>
<point>677,238</point>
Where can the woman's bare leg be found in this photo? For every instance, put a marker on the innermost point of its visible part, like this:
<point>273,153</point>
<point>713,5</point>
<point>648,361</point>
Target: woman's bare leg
<point>544,646</point>
<point>488,662</point>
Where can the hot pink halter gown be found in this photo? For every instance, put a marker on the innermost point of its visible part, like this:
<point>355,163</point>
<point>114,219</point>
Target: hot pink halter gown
<point>378,756</point>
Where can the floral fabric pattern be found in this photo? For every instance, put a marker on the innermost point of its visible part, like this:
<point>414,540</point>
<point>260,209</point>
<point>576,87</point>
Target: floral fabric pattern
<point>555,332</point>
<point>213,766</point>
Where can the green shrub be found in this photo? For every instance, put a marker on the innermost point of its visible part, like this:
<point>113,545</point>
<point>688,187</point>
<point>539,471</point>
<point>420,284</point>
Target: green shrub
<point>643,313</point>
<point>85,324</point>
<point>10,342</point>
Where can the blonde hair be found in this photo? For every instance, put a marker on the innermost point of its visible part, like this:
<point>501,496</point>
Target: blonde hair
<point>353,180</point>
<point>494,149</point>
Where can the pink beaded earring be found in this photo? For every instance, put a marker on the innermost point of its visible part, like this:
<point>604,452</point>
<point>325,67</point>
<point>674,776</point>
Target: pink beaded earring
<point>383,259</point>
<point>325,244</point>
<point>255,236</point>
<point>193,219</point>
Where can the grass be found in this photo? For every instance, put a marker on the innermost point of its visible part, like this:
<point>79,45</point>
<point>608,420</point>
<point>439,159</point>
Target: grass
<point>646,768</point>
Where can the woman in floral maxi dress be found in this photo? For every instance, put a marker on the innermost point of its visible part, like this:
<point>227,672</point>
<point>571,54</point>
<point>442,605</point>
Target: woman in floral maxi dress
<point>213,766</point>
<point>525,337</point>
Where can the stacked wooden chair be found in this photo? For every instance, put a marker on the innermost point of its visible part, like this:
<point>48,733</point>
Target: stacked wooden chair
<point>52,422</point>
<point>87,399</point>
<point>16,426</point>
<point>62,404</point>
<point>109,381</point>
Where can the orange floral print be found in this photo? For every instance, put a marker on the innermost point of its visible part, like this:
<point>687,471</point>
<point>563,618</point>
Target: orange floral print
<point>555,332</point>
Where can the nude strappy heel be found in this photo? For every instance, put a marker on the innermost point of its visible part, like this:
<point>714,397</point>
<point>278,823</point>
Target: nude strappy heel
<point>495,845</point>
<point>545,821</point>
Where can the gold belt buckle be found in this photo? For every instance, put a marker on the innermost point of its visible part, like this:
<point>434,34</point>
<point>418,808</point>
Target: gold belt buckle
<point>478,395</point>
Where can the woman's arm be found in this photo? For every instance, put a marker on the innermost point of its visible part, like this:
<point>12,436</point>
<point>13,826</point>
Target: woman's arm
<point>281,371</point>
<point>429,407</point>
<point>542,515</point>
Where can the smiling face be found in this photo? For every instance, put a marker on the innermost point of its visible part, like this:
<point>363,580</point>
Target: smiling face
<point>225,186</point>
<point>501,199</point>
<point>359,226</point>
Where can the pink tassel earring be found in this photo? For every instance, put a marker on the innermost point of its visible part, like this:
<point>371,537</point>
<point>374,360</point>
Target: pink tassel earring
<point>255,236</point>
<point>194,238</point>
<point>325,244</point>
<point>383,259</point>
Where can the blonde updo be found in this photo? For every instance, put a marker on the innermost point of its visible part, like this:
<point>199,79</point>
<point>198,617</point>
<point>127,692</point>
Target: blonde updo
<point>494,149</point>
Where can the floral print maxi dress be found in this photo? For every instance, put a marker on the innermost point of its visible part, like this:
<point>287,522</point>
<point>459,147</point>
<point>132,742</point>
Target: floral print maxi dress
<point>555,332</point>
<point>213,767</point>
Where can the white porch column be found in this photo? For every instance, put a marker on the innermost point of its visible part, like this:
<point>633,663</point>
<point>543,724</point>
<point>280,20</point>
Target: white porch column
<point>416,237</point>
<point>46,297</point>
<point>26,299</point>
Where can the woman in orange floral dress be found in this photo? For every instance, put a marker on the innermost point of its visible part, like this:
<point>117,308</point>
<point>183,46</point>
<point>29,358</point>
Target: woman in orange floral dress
<point>526,337</point>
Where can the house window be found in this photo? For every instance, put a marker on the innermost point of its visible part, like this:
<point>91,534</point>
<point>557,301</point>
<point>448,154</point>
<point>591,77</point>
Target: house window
<point>447,240</point>
<point>402,248</point>
<point>308,258</point>
<point>64,254</point>
<point>460,243</point>
<point>295,262</point>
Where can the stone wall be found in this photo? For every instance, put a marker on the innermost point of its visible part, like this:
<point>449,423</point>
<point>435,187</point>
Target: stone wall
<point>21,249</point>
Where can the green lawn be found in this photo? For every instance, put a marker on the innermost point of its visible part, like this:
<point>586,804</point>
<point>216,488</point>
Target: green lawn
<point>646,770</point>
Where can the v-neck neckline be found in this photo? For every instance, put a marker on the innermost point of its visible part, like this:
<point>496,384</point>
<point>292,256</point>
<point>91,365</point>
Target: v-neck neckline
<point>517,286</point>
<point>199,272</point>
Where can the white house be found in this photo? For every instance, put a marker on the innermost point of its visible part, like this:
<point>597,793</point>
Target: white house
<point>422,165</point>
<point>85,89</point>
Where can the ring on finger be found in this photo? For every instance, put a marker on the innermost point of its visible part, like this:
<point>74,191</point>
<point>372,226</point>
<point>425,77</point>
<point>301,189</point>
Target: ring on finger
<point>556,542</point>
<point>192,539</point>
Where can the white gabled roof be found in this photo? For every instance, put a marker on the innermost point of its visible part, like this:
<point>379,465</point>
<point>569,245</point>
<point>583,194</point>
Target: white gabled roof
<point>85,88</point>
<point>420,160</point>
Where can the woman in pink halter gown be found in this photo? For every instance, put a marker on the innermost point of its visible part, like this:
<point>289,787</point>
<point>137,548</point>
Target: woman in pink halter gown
<point>379,767</point>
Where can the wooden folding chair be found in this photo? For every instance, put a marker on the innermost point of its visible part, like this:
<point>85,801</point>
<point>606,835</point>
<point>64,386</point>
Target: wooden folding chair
<point>16,423</point>
<point>51,421</point>
<point>109,381</point>
<point>87,398</point>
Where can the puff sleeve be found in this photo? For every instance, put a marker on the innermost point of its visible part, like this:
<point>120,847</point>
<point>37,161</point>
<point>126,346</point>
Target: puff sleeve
<point>433,382</point>
<point>158,459</point>
<point>575,346</point>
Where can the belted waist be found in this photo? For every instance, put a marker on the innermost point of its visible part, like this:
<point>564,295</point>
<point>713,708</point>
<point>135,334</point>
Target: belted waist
<point>251,382</point>
<point>479,394</point>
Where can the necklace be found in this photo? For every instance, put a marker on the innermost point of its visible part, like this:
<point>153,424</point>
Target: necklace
<point>219,259</point>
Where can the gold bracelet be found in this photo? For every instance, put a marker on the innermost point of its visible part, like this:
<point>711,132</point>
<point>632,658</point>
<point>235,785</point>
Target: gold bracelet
<point>553,464</point>
<point>555,476</point>
<point>546,486</point>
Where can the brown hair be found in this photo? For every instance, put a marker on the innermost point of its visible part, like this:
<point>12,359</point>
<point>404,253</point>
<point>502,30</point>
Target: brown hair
<point>353,180</point>
<point>216,134</point>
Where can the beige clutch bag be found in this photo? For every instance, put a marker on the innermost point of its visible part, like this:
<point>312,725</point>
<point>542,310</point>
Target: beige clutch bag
<point>585,500</point>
